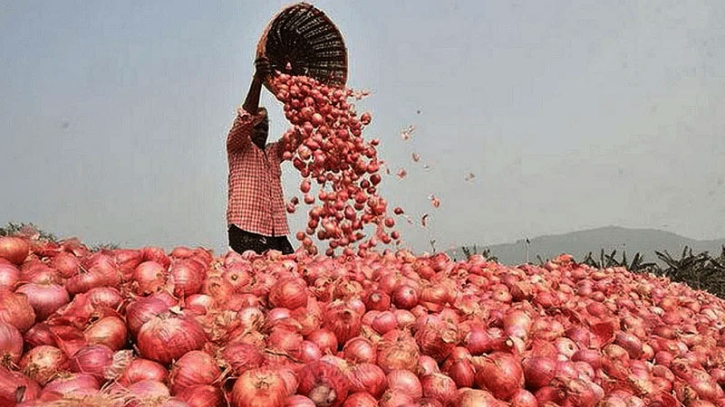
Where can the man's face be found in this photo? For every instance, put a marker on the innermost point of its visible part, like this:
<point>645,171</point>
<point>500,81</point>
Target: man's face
<point>261,130</point>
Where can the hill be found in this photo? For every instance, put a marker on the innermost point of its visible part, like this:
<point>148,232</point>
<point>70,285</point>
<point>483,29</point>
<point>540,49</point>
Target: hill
<point>578,244</point>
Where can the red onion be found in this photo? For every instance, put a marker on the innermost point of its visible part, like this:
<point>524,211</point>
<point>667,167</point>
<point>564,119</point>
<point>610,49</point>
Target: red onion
<point>437,340</point>
<point>93,360</point>
<point>105,297</point>
<point>16,387</point>
<point>405,297</point>
<point>378,301</point>
<point>199,303</point>
<point>43,363</point>
<point>109,331</point>
<point>384,322</point>
<point>360,400</point>
<point>539,371</point>
<point>142,369</point>
<point>309,352</point>
<point>9,276</point>
<point>290,293</point>
<point>67,264</point>
<point>11,345</point>
<point>150,277</point>
<point>44,298</point>
<point>359,350</point>
<point>439,387</point>
<point>259,388</point>
<point>242,357</point>
<point>367,377</point>
<point>195,368</point>
<point>142,311</point>
<point>323,383</point>
<point>393,398</point>
<point>343,321</point>
<point>397,350</point>
<point>146,391</point>
<point>300,401</point>
<point>406,382</point>
<point>203,396</point>
<point>14,249</point>
<point>188,277</point>
<point>324,339</point>
<point>523,398</point>
<point>462,373</point>
<point>70,383</point>
<point>501,374</point>
<point>167,337</point>
<point>427,365</point>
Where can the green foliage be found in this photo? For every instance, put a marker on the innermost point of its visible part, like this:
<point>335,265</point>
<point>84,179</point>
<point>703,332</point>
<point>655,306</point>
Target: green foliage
<point>14,228</point>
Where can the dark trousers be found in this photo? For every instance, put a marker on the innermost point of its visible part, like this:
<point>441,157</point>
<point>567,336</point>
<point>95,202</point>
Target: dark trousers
<point>241,241</point>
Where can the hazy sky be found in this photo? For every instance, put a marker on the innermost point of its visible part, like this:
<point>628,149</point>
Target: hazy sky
<point>571,114</point>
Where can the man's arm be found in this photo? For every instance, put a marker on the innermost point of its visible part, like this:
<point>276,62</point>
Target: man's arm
<point>239,135</point>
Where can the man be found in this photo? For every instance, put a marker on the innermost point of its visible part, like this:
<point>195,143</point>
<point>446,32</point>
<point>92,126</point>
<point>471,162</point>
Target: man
<point>256,215</point>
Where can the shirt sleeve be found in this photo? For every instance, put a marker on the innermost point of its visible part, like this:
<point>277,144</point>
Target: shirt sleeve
<point>240,135</point>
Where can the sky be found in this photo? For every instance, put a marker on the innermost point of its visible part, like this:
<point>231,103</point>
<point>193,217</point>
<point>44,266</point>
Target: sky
<point>571,114</point>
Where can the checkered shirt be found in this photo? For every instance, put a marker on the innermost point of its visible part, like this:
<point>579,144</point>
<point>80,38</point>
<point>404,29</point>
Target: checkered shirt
<point>255,202</point>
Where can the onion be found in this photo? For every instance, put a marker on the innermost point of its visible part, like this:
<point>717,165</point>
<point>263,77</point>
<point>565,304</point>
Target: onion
<point>290,293</point>
<point>439,387</point>
<point>242,357</point>
<point>323,383</point>
<point>93,360</point>
<point>70,383</point>
<point>367,377</point>
<point>324,339</point>
<point>427,365</point>
<point>343,321</point>
<point>392,398</point>
<point>67,264</point>
<point>142,311</point>
<point>203,396</point>
<point>9,276</point>
<point>150,277</point>
<point>109,331</point>
<point>44,298</point>
<point>105,297</point>
<point>188,277</point>
<point>384,322</point>
<point>397,350</point>
<point>359,400</point>
<point>523,398</point>
<point>378,301</point>
<point>14,249</point>
<point>142,369</point>
<point>195,368</point>
<point>43,363</point>
<point>300,401</point>
<point>501,374</point>
<point>539,371</point>
<point>405,297</point>
<point>359,350</point>
<point>437,340</point>
<point>259,388</point>
<point>199,303</point>
<point>462,373</point>
<point>147,391</point>
<point>309,352</point>
<point>11,345</point>
<point>406,382</point>
<point>16,387</point>
<point>167,337</point>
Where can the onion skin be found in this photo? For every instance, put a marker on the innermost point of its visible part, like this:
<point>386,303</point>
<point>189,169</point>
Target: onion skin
<point>367,377</point>
<point>323,383</point>
<point>109,331</point>
<point>359,350</point>
<point>143,310</point>
<point>9,276</point>
<point>168,337</point>
<point>70,383</point>
<point>406,382</point>
<point>242,357</point>
<point>359,400</point>
<point>501,374</point>
<point>290,293</point>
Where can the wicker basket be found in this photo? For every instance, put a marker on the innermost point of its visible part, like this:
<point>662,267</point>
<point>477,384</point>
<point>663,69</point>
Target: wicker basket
<point>305,38</point>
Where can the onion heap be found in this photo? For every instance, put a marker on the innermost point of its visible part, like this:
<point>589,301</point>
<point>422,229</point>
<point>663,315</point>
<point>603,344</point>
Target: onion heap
<point>388,329</point>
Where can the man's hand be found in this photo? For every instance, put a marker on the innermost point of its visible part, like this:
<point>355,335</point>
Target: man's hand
<point>263,70</point>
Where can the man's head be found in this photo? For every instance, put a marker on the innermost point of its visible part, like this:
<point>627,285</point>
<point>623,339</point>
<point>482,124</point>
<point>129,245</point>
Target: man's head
<point>261,129</point>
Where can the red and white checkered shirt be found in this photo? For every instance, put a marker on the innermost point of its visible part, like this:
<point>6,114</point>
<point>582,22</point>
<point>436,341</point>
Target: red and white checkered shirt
<point>255,203</point>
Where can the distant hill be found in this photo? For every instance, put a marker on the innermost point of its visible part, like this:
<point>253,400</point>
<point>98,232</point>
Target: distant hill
<point>578,244</point>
